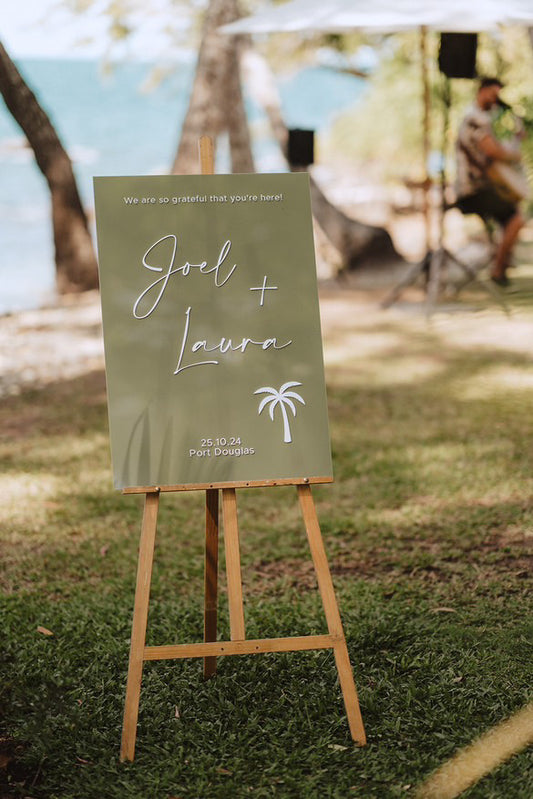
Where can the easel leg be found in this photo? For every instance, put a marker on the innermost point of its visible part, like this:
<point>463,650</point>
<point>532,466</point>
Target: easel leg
<point>138,632</point>
<point>233,564</point>
<point>331,610</point>
<point>211,576</point>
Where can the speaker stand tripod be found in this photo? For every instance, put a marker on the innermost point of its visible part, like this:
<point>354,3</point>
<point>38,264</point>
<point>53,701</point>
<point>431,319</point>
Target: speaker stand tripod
<point>432,268</point>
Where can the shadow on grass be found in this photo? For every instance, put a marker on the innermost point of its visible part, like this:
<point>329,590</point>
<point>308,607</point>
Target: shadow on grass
<point>274,724</point>
<point>428,528</point>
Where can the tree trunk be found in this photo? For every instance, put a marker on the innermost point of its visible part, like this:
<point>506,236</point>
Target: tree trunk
<point>239,133</point>
<point>357,243</point>
<point>76,268</point>
<point>216,102</point>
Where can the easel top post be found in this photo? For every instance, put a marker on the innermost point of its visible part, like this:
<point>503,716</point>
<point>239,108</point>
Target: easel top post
<point>207,155</point>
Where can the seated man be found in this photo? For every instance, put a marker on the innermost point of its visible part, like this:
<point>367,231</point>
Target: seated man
<point>476,149</point>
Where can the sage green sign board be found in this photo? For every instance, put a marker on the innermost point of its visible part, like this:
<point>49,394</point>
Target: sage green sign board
<point>211,329</point>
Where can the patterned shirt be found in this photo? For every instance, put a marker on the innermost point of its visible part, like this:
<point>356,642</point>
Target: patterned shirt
<point>470,159</point>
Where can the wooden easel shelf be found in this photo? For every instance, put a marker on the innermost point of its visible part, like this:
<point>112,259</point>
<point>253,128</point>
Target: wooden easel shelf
<point>248,484</point>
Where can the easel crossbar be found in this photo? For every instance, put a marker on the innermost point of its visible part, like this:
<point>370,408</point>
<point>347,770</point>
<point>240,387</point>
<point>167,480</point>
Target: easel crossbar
<point>249,647</point>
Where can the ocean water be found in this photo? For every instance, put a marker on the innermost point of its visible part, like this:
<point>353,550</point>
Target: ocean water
<point>112,124</point>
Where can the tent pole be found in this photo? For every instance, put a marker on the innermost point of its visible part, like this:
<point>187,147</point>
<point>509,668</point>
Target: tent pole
<point>426,135</point>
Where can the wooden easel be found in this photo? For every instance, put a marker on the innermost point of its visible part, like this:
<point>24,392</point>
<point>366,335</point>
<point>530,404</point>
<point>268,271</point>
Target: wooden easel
<point>210,648</point>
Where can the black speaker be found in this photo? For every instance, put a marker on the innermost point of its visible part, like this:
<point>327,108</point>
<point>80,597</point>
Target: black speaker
<point>457,54</point>
<point>301,147</point>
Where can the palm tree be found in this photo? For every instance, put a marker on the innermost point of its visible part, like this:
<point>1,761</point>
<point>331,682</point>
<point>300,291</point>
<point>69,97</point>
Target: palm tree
<point>283,398</point>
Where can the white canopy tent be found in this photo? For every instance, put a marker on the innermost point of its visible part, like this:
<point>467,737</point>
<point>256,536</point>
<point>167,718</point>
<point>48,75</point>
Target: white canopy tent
<point>313,15</point>
<point>339,16</point>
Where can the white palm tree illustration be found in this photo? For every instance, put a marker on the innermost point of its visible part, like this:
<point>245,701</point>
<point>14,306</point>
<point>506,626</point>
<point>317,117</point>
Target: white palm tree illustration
<point>283,398</point>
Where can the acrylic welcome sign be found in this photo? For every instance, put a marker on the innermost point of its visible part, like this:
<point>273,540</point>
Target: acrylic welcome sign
<point>211,329</point>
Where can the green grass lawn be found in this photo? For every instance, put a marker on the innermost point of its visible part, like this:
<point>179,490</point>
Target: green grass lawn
<point>428,528</point>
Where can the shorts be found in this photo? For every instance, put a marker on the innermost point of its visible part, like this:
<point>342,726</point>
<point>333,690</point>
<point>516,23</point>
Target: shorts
<point>487,204</point>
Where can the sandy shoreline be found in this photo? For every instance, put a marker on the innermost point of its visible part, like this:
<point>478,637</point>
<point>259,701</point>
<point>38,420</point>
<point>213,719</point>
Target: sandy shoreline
<point>64,341</point>
<point>41,346</point>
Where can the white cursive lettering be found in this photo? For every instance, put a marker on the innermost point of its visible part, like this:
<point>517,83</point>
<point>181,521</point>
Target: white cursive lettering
<point>223,346</point>
<point>170,269</point>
